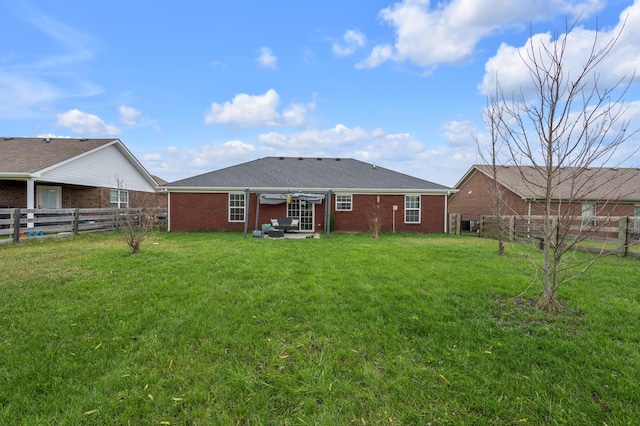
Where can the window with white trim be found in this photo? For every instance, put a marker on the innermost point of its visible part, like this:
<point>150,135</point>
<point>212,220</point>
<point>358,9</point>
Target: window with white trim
<point>344,202</point>
<point>588,209</point>
<point>236,206</point>
<point>119,198</point>
<point>636,213</point>
<point>412,209</point>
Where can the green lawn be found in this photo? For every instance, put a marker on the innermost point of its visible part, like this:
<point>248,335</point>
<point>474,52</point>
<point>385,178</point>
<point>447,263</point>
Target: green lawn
<point>211,328</point>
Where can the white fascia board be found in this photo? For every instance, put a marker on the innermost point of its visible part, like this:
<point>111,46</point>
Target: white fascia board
<point>18,175</point>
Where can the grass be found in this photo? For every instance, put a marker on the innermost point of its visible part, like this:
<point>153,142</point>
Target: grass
<point>211,328</point>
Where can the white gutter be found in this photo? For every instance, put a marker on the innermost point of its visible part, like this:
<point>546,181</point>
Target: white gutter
<point>393,191</point>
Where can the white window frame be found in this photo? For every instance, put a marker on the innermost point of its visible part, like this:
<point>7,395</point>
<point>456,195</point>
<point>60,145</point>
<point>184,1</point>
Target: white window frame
<point>236,205</point>
<point>588,209</point>
<point>121,198</point>
<point>408,199</point>
<point>42,189</point>
<point>636,213</point>
<point>346,204</point>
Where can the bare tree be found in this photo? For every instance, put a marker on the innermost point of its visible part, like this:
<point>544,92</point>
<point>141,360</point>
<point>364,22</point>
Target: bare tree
<point>375,220</point>
<point>136,224</point>
<point>492,118</point>
<point>561,139</point>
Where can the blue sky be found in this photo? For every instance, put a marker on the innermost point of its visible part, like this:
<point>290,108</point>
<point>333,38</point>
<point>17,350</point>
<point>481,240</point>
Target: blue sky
<point>195,86</point>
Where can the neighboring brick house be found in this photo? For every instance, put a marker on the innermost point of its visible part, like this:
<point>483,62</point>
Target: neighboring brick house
<point>593,192</point>
<point>73,173</point>
<point>314,190</point>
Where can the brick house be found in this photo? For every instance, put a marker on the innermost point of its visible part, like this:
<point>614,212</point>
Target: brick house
<point>316,191</point>
<point>73,173</point>
<point>592,192</point>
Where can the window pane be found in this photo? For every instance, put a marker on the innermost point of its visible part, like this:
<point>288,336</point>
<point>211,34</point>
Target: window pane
<point>412,216</point>
<point>343,202</point>
<point>236,207</point>
<point>412,208</point>
<point>588,209</point>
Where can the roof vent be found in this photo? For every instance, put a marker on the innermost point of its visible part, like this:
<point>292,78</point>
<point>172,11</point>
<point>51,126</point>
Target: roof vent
<point>84,139</point>
<point>282,158</point>
<point>319,159</point>
<point>300,158</point>
<point>337,159</point>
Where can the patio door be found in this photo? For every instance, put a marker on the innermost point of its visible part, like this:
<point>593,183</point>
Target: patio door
<point>303,210</point>
<point>49,197</point>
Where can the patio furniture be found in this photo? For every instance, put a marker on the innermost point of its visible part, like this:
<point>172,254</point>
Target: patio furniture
<point>285,224</point>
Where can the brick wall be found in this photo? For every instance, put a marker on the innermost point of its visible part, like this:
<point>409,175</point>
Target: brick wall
<point>209,211</point>
<point>13,193</point>
<point>476,198</point>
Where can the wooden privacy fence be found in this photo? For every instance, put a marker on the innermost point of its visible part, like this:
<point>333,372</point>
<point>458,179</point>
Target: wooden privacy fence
<point>623,231</point>
<point>19,224</point>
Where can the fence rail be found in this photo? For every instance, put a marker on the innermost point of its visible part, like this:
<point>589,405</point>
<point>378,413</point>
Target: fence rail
<point>19,224</point>
<point>623,231</point>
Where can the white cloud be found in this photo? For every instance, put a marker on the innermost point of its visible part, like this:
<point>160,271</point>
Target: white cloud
<point>129,115</point>
<point>257,110</point>
<point>460,133</point>
<point>20,95</point>
<point>151,157</point>
<point>181,162</point>
<point>508,67</point>
<point>86,124</point>
<point>353,39</point>
<point>439,162</point>
<point>338,136</point>
<point>448,32</point>
<point>379,55</point>
<point>246,110</point>
<point>267,59</point>
<point>51,135</point>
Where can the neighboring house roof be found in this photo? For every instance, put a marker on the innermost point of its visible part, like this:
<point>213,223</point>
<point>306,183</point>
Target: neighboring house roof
<point>159,180</point>
<point>591,184</point>
<point>74,161</point>
<point>307,174</point>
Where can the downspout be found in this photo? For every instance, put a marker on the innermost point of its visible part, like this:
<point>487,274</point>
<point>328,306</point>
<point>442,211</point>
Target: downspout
<point>169,211</point>
<point>446,212</point>
<point>246,211</point>
<point>257,210</point>
<point>327,215</point>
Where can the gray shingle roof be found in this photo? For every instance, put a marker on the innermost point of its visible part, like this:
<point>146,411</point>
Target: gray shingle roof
<point>305,173</point>
<point>28,155</point>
